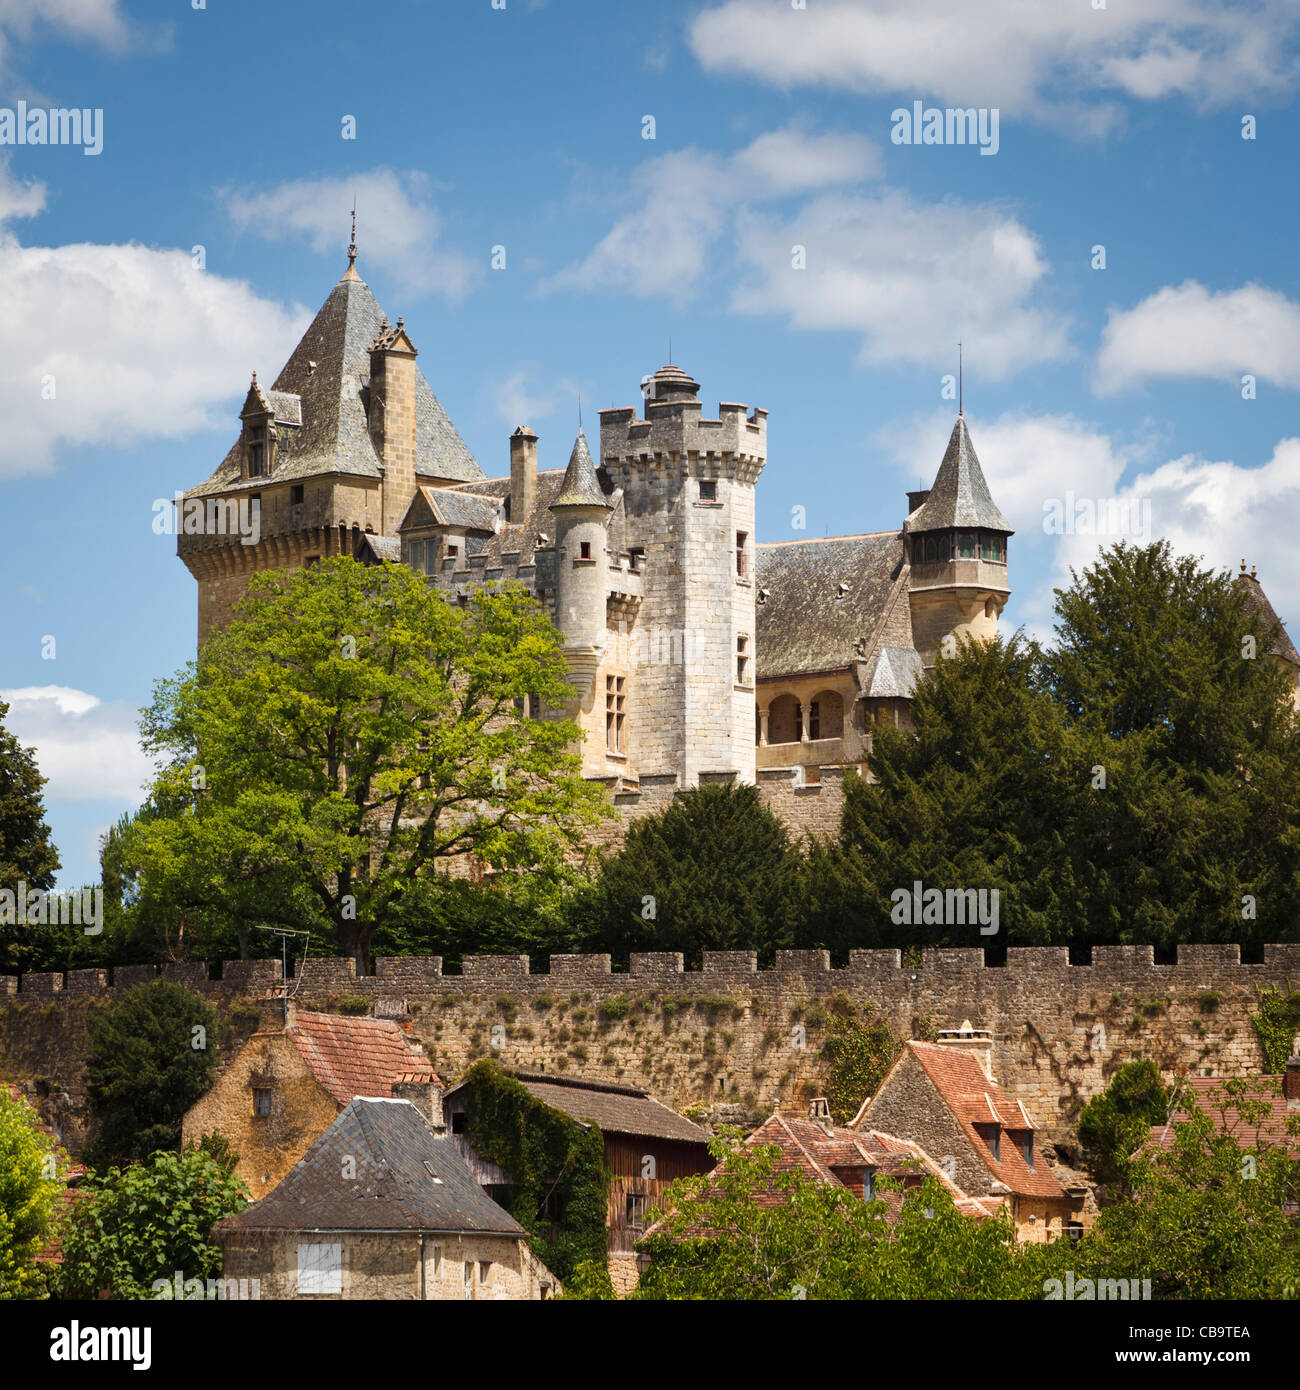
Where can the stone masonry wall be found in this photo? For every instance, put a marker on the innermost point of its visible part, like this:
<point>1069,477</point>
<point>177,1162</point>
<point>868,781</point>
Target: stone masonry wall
<point>732,1034</point>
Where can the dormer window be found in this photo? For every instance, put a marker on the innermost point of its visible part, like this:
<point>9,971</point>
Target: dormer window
<point>1027,1148</point>
<point>256,451</point>
<point>992,1136</point>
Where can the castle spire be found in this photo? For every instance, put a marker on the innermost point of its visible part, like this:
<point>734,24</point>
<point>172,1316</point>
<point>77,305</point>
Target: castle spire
<point>581,487</point>
<point>351,272</point>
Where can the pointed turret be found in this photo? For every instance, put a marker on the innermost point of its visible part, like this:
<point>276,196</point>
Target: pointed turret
<point>581,487</point>
<point>955,539</point>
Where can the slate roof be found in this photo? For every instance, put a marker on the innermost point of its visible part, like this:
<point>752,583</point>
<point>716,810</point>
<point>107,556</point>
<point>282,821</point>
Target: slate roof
<point>895,674</point>
<point>960,496</point>
<point>334,437</point>
<point>407,1179</point>
<point>382,547</point>
<point>1205,1093</point>
<point>973,1099</point>
<point>355,1056</point>
<point>612,1106</point>
<point>804,624</point>
<point>581,486</point>
<point>1256,601</point>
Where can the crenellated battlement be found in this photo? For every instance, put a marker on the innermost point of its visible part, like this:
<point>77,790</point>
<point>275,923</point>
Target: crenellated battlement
<point>1032,968</point>
<point>674,438</point>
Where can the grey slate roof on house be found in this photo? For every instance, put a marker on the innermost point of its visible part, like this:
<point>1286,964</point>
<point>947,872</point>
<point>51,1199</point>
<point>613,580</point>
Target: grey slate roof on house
<point>329,370</point>
<point>806,624</point>
<point>407,1179</point>
<point>610,1105</point>
<point>581,487</point>
<point>960,496</point>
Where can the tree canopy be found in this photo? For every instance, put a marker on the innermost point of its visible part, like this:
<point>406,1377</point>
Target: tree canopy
<point>30,1170</point>
<point>27,853</point>
<point>348,733</point>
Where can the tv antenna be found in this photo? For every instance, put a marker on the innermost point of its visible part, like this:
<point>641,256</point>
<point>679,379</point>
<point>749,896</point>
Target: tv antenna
<point>284,933</point>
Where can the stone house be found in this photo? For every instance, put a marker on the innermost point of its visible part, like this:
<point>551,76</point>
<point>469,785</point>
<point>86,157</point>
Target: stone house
<point>381,1207</point>
<point>943,1097</point>
<point>290,1080</point>
<point>647,1146</point>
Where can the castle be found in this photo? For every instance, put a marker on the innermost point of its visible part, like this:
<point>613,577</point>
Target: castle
<point>697,652</point>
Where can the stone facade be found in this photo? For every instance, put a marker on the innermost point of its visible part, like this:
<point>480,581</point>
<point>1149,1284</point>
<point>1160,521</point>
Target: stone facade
<point>388,1266</point>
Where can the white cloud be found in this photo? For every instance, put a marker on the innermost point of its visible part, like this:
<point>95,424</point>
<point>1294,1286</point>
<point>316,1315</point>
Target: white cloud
<point>88,749</point>
<point>793,160</point>
<point>1189,331</point>
<point>110,345</point>
<point>909,277</point>
<point>100,22</point>
<point>398,226</point>
<point>1019,55</point>
<point>522,398</point>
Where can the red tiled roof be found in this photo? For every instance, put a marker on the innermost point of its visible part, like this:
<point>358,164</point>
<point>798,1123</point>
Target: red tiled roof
<point>973,1099</point>
<point>353,1057</point>
<point>1205,1093</point>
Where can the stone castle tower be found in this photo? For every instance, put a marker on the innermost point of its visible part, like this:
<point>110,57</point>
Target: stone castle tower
<point>695,652</point>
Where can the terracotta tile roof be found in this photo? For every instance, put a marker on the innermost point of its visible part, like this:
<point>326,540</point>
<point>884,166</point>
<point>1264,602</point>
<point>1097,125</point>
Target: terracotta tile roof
<point>356,1056</point>
<point>1204,1093</point>
<point>973,1099</point>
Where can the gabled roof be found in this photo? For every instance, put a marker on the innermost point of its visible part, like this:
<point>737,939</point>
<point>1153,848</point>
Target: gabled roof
<point>445,506</point>
<point>581,486</point>
<point>895,673</point>
<point>329,371</point>
<point>806,623</point>
<point>610,1105</point>
<point>973,1099</point>
<point>1256,601</point>
<point>406,1179</point>
<point>355,1056</point>
<point>960,496</point>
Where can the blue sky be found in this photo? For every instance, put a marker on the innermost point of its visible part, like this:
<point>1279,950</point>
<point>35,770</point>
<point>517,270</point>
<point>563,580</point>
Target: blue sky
<point>523,127</point>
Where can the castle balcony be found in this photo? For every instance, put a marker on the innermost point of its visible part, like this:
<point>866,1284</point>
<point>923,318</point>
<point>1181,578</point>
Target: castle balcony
<point>815,753</point>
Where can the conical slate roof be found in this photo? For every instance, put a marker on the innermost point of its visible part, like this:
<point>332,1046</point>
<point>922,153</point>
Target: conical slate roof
<point>328,373</point>
<point>405,1179</point>
<point>1257,602</point>
<point>960,496</point>
<point>581,486</point>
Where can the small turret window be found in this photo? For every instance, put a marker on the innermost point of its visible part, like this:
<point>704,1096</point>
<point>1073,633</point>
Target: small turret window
<point>256,451</point>
<point>966,541</point>
<point>931,548</point>
<point>584,550</point>
<point>708,491</point>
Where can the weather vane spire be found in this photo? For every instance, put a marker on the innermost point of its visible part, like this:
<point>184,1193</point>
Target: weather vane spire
<point>352,245</point>
<point>959,377</point>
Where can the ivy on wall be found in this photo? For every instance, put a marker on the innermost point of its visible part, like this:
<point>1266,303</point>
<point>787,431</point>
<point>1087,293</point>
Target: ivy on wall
<point>545,1154</point>
<point>1276,1025</point>
<point>859,1049</point>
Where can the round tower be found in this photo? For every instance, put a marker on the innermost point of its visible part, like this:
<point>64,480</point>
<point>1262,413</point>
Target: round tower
<point>581,510</point>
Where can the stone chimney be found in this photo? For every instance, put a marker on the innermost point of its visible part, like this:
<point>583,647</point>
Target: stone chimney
<point>977,1041</point>
<point>272,1012</point>
<point>425,1095</point>
<point>392,419</point>
<point>1291,1083</point>
<point>914,499</point>
<point>523,474</point>
<point>819,1112</point>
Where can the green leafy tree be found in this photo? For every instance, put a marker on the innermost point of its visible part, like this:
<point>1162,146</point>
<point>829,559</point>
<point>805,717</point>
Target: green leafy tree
<point>29,1183</point>
<point>346,734</point>
<point>149,1058</point>
<point>147,1222</point>
<point>818,1240</point>
<point>27,853</point>
<point>1115,1123</point>
<point>1207,1218</point>
<point>714,870</point>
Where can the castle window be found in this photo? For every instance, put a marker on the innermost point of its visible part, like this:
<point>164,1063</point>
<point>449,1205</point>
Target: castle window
<point>741,538</point>
<point>453,551</point>
<point>296,495</point>
<point>708,490</point>
<point>256,450</point>
<point>967,543</point>
<point>815,720</point>
<point>931,549</point>
<point>614,698</point>
<point>584,550</point>
<point>742,659</point>
<point>636,556</point>
<point>261,1100</point>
